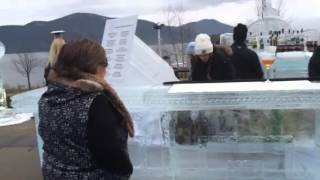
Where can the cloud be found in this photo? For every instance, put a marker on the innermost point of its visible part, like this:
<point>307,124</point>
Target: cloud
<point>229,11</point>
<point>26,11</point>
<point>242,11</point>
<point>195,5</point>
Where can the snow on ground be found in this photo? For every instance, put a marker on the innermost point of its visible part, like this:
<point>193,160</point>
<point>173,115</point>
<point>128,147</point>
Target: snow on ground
<point>27,102</point>
<point>8,117</point>
<point>25,105</point>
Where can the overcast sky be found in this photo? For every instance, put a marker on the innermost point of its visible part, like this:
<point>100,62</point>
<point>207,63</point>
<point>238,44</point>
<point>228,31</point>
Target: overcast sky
<point>19,12</point>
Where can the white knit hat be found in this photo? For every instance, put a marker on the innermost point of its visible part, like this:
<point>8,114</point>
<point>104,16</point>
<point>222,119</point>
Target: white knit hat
<point>203,44</point>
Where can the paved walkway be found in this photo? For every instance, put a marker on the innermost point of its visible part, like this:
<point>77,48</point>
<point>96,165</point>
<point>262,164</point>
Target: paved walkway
<point>19,158</point>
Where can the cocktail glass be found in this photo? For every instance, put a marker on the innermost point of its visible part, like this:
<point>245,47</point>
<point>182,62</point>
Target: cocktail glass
<point>268,62</point>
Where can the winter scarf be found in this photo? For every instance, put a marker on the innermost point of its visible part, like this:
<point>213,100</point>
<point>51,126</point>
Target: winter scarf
<point>90,83</point>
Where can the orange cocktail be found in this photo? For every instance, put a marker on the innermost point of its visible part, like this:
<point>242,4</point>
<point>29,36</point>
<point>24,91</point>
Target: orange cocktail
<point>267,62</point>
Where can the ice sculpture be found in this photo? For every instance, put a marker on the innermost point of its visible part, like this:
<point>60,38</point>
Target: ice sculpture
<point>253,130</point>
<point>2,49</point>
<point>2,91</point>
<point>238,130</point>
<point>2,96</point>
<point>288,64</point>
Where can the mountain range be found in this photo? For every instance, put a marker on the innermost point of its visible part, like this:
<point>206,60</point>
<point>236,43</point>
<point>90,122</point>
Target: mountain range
<point>36,37</point>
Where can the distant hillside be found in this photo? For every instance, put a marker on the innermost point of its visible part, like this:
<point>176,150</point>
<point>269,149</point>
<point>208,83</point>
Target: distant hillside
<point>35,37</point>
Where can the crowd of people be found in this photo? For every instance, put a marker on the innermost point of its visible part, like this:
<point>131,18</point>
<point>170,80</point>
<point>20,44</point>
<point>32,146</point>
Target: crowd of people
<point>84,124</point>
<point>216,63</point>
<point>210,62</point>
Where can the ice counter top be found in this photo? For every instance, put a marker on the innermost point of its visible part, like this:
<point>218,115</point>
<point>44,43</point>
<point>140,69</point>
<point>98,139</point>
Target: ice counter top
<point>244,87</point>
<point>239,95</point>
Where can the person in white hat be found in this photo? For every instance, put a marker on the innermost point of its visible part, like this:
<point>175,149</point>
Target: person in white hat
<point>209,63</point>
<point>190,53</point>
<point>56,46</point>
<point>54,51</point>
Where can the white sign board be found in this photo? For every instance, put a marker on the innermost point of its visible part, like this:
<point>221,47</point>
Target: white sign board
<point>117,41</point>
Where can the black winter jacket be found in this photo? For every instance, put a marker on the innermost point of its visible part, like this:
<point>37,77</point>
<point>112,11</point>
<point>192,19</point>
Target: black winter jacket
<point>83,136</point>
<point>218,68</point>
<point>246,63</point>
<point>314,64</point>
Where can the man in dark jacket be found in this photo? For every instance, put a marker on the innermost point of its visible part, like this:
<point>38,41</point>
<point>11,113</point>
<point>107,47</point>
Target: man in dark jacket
<point>314,64</point>
<point>209,63</point>
<point>245,61</point>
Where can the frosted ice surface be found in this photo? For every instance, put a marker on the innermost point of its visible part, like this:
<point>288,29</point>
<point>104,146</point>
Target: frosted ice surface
<point>8,117</point>
<point>27,102</point>
<point>289,64</point>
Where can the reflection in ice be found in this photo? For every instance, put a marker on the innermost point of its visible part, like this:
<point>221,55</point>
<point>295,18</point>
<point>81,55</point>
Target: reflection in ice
<point>232,145</point>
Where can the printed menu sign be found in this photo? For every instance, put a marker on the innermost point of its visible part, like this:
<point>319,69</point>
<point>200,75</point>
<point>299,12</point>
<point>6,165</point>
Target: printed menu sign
<point>117,41</point>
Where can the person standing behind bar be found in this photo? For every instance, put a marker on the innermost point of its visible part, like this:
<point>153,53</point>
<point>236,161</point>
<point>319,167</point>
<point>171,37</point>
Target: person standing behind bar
<point>54,51</point>
<point>83,122</point>
<point>246,62</point>
<point>190,54</point>
<point>314,64</point>
<point>209,63</point>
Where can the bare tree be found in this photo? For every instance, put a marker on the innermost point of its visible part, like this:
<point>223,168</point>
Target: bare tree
<point>259,9</point>
<point>170,20</point>
<point>25,65</point>
<point>180,11</point>
<point>175,17</point>
<point>280,7</point>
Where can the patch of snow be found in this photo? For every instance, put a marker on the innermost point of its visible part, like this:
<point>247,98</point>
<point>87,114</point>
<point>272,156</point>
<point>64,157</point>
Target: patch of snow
<point>27,102</point>
<point>8,117</point>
